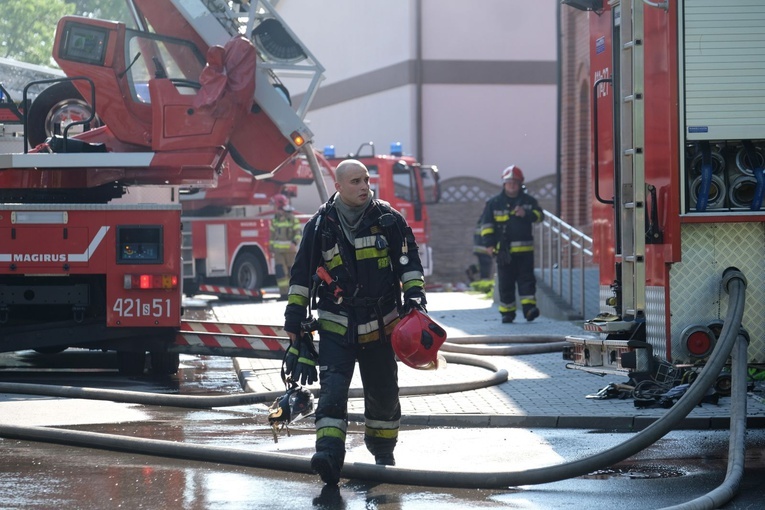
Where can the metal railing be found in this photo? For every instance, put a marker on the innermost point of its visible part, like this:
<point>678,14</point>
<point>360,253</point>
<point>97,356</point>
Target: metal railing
<point>563,258</point>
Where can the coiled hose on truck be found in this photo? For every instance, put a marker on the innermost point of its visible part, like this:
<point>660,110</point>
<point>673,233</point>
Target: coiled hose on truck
<point>733,282</point>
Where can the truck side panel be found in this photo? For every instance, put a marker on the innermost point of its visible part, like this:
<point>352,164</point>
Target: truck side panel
<point>119,265</point>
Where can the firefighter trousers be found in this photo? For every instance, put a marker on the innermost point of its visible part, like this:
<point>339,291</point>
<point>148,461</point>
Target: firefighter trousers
<point>379,377</point>
<point>283,260</point>
<point>519,271</point>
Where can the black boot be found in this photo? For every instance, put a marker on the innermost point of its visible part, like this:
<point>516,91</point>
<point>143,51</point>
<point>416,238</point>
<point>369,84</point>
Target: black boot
<point>531,314</point>
<point>385,459</point>
<point>326,466</point>
<point>508,317</point>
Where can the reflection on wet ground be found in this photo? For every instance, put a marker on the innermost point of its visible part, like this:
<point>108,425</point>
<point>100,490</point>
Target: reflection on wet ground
<point>198,314</point>
<point>44,476</point>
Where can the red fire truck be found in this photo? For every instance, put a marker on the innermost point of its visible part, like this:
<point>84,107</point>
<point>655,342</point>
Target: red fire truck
<point>174,97</point>
<point>679,152</point>
<point>226,229</point>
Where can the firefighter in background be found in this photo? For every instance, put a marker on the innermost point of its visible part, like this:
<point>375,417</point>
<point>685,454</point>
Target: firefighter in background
<point>284,240</point>
<point>506,230</point>
<point>482,270</point>
<point>357,255</point>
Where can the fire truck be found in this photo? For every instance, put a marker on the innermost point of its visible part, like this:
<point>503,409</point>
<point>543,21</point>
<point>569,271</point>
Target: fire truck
<point>172,98</point>
<point>678,157</point>
<point>227,228</point>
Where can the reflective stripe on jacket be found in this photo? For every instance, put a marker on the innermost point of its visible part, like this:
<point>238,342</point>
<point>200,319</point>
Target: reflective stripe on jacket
<point>503,229</point>
<point>371,272</point>
<point>285,229</point>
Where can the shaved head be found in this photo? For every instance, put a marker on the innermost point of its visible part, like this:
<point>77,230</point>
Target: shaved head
<point>352,182</point>
<point>344,168</point>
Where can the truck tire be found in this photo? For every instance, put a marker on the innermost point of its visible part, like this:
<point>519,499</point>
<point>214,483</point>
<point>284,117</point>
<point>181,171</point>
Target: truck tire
<point>131,362</point>
<point>190,287</point>
<point>164,363</point>
<point>60,103</point>
<point>248,272</point>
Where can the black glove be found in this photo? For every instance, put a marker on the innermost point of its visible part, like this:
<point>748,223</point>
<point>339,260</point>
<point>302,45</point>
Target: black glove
<point>289,365</point>
<point>300,361</point>
<point>415,298</point>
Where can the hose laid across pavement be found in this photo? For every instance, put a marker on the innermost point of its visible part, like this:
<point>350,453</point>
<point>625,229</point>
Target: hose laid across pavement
<point>498,376</point>
<point>733,282</point>
<point>515,345</point>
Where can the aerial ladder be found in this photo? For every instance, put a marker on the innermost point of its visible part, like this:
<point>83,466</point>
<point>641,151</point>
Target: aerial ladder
<point>279,50</point>
<point>80,269</point>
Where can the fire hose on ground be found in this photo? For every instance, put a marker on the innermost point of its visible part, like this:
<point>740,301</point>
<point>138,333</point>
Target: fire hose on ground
<point>736,446</point>
<point>531,344</point>
<point>733,282</point>
<point>210,401</point>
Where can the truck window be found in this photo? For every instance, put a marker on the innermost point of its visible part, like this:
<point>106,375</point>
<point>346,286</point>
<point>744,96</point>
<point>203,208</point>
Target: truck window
<point>374,180</point>
<point>160,57</point>
<point>431,189</point>
<point>403,182</point>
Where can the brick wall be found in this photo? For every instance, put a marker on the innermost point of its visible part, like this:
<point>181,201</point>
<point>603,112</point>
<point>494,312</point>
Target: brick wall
<point>576,104</point>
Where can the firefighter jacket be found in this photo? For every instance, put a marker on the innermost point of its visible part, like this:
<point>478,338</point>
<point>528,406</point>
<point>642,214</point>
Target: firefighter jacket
<point>366,277</point>
<point>285,230</point>
<point>503,229</point>
<point>478,247</point>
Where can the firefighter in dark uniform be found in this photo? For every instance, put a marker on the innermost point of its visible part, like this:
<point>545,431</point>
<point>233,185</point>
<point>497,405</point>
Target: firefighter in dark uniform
<point>506,229</point>
<point>483,269</point>
<point>356,256</point>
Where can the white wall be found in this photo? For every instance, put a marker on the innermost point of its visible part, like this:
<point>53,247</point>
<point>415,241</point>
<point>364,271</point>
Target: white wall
<point>489,29</point>
<point>471,125</point>
<point>351,37</point>
<point>480,130</point>
<point>381,118</point>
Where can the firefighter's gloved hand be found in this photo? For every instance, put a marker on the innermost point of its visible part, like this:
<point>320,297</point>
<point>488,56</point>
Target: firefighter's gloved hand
<point>291,359</point>
<point>305,370</point>
<point>414,298</point>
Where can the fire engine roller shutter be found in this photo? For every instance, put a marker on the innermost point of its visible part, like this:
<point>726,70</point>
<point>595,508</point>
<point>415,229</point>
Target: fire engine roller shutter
<point>724,69</point>
<point>217,253</point>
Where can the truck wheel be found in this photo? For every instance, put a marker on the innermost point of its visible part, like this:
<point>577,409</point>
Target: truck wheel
<point>164,363</point>
<point>190,287</point>
<point>62,104</point>
<point>248,272</point>
<point>130,362</point>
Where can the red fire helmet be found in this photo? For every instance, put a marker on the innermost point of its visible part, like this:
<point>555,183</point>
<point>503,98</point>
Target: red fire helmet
<point>416,340</point>
<point>280,201</point>
<point>512,172</point>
